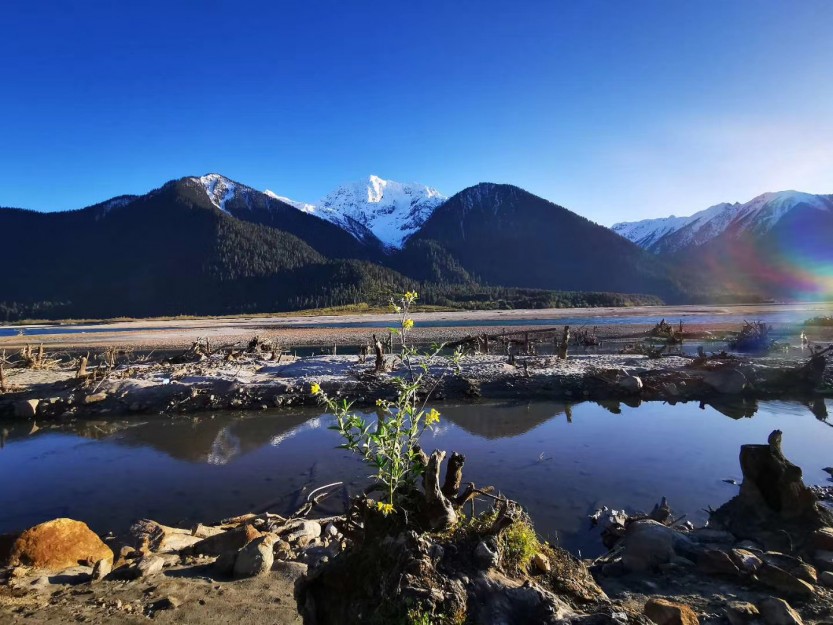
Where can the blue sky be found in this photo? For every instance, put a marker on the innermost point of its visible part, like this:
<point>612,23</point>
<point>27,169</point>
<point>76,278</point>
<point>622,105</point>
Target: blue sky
<point>618,110</point>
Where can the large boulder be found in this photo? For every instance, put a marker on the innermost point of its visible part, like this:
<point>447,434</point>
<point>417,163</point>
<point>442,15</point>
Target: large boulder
<point>648,544</point>
<point>256,558</point>
<point>778,612</point>
<point>57,545</point>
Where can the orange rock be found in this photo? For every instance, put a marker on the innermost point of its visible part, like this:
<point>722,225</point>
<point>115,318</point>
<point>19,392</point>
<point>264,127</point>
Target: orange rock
<point>664,612</point>
<point>57,545</point>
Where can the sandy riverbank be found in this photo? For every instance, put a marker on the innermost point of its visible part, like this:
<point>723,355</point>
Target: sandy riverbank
<point>435,326</point>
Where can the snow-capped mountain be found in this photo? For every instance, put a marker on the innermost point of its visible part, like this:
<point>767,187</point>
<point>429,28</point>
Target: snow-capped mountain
<point>387,210</point>
<point>757,217</point>
<point>301,206</point>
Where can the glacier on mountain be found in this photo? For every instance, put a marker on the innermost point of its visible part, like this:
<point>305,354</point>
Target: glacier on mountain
<point>391,211</point>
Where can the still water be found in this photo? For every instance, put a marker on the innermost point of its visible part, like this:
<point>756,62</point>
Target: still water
<point>561,461</point>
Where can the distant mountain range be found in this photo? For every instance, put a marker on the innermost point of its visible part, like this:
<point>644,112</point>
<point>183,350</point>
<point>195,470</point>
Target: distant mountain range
<point>210,245</point>
<point>775,245</point>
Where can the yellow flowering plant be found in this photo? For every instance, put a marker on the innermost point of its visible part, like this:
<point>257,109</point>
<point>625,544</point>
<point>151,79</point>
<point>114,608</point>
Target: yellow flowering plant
<point>390,444</point>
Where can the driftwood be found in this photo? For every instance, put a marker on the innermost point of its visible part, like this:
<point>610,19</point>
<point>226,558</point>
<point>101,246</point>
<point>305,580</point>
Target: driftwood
<point>439,510</point>
<point>773,502</point>
<point>2,375</point>
<point>453,475</point>
<point>752,337</point>
<point>380,355</point>
<point>81,372</point>
<point>565,341</point>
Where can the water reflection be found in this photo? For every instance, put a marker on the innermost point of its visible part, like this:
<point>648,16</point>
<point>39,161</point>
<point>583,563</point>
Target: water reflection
<point>561,460</point>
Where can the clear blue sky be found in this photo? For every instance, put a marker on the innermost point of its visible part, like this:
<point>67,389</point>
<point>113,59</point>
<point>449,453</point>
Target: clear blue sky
<point>618,109</point>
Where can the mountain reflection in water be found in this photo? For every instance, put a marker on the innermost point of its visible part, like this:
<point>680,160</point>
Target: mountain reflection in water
<point>560,460</point>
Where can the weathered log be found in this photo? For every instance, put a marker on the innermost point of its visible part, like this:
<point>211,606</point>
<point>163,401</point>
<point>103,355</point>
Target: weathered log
<point>380,355</point>
<point>2,377</point>
<point>453,475</point>
<point>81,372</point>
<point>770,479</point>
<point>440,512</point>
<point>565,340</point>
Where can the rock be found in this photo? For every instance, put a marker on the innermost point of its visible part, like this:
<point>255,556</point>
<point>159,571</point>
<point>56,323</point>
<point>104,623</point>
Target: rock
<point>301,530</point>
<point>726,381</point>
<point>708,535</point>
<point>150,536</point>
<point>806,572</point>
<point>102,569</point>
<point>331,531</point>
<point>664,612</point>
<point>541,562</point>
<point>290,571</point>
<point>824,560</point>
<point>826,579</point>
<point>486,555</point>
<point>26,408</point>
<point>232,539</point>
<point>716,562</point>
<point>57,545</point>
<point>256,558</point>
<point>747,561</point>
<point>779,579</point>
<point>822,539</point>
<point>749,545</point>
<point>224,564</point>
<point>94,398</point>
<point>778,612</point>
<point>630,383</point>
<point>204,531</point>
<point>648,544</point>
<point>741,613</point>
<point>148,566</point>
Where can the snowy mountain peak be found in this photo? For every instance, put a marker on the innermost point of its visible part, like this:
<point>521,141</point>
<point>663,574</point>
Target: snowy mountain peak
<point>301,206</point>
<point>219,189</point>
<point>758,216</point>
<point>374,207</point>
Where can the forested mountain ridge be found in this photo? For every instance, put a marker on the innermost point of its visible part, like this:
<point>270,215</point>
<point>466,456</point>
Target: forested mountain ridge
<point>209,245</point>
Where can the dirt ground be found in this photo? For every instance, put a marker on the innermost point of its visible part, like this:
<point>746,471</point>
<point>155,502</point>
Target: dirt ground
<point>198,598</point>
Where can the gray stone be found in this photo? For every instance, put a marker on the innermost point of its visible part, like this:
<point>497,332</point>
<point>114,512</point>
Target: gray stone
<point>778,612</point>
<point>716,562</point>
<point>148,565</point>
<point>822,539</point>
<point>779,579</point>
<point>331,530</point>
<point>256,558</point>
<point>806,572</point>
<point>747,561</point>
<point>826,579</point>
<point>648,544</point>
<point>824,560</point>
<point>630,383</point>
<point>290,571</point>
<point>726,381</point>
<point>102,569</point>
<point>741,613</point>
<point>26,408</point>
